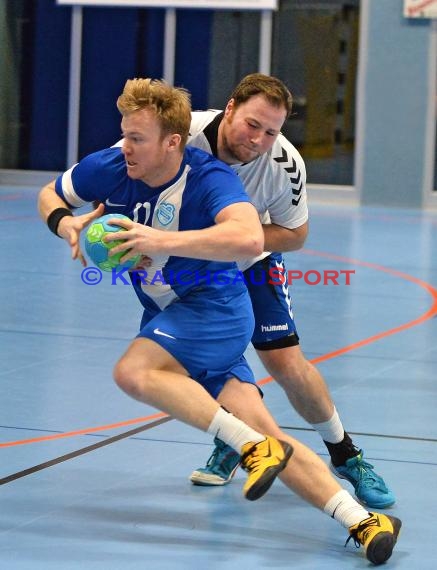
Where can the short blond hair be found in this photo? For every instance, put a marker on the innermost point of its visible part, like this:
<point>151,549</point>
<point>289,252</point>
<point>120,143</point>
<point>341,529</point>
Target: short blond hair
<point>171,104</point>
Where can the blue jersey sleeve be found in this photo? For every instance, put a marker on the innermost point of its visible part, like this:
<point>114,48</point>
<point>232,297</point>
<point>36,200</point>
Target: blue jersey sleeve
<point>94,178</point>
<point>224,189</point>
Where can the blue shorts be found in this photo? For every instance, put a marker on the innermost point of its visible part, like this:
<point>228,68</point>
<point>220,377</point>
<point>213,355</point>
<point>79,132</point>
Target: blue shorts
<point>208,336</point>
<point>271,302</point>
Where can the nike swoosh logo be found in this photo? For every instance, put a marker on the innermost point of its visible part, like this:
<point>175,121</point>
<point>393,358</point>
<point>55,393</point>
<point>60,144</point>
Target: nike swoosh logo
<point>157,331</point>
<point>109,203</point>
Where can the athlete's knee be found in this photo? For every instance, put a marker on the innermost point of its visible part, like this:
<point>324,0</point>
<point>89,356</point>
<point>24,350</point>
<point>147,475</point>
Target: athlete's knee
<point>124,376</point>
<point>131,378</point>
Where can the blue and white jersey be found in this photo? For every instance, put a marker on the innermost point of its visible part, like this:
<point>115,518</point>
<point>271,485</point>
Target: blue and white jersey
<point>190,201</point>
<point>275,181</point>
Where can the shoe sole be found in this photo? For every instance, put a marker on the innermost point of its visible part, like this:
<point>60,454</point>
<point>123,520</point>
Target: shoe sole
<point>258,489</point>
<point>373,505</point>
<point>381,551</point>
<point>205,480</point>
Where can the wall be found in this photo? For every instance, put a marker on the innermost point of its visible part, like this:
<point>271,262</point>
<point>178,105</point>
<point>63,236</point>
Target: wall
<point>394,95</point>
<point>117,44</point>
<point>394,102</point>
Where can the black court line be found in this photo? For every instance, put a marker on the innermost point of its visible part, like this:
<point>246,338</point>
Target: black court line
<point>289,428</point>
<point>382,435</point>
<point>144,427</point>
<point>82,451</point>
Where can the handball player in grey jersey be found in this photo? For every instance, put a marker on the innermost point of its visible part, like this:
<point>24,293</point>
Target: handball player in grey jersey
<point>246,136</point>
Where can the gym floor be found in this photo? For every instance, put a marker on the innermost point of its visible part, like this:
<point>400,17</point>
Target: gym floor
<point>91,479</point>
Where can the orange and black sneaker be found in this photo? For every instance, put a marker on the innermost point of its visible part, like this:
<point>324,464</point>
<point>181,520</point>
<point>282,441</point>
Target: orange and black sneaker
<point>263,461</point>
<point>378,534</point>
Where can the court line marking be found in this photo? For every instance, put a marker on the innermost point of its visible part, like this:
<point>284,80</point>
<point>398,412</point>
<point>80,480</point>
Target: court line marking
<point>368,434</point>
<point>84,431</point>
<point>430,313</point>
<point>81,451</point>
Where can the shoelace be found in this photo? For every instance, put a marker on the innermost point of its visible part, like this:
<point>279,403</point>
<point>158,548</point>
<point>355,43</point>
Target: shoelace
<point>251,459</point>
<point>213,456</point>
<point>367,477</point>
<point>362,527</point>
<point>219,456</point>
<point>356,541</point>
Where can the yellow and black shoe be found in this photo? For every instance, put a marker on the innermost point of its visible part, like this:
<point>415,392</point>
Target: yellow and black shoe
<point>378,535</point>
<point>263,461</point>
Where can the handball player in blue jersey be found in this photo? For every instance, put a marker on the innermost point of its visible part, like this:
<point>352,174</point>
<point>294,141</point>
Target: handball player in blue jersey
<point>188,211</point>
<point>247,137</point>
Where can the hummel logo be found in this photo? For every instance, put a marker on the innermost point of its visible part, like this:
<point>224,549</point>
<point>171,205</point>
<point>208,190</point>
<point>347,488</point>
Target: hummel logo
<point>109,203</point>
<point>157,331</point>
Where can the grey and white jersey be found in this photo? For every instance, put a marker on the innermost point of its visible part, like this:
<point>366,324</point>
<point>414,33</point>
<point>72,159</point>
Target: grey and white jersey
<point>275,181</point>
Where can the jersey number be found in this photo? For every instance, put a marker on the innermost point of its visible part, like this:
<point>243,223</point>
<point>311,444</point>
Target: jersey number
<point>147,208</point>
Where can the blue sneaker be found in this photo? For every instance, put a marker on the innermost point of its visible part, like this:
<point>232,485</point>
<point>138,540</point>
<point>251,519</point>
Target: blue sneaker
<point>370,488</point>
<point>220,467</point>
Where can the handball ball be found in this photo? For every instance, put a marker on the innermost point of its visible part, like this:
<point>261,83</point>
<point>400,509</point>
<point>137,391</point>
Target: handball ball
<point>98,250</point>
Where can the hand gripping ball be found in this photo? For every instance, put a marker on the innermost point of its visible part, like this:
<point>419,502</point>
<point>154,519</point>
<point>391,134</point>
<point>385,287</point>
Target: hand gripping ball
<point>98,250</point>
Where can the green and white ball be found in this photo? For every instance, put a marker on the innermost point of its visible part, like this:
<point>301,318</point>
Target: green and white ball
<point>98,250</point>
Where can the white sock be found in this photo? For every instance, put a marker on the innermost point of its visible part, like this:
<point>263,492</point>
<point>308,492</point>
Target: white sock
<point>331,431</point>
<point>344,509</point>
<point>233,431</point>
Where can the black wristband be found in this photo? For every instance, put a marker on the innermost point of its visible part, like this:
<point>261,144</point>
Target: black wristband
<point>55,217</point>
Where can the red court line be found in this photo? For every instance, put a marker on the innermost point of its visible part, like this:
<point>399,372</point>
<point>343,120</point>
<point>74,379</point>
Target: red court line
<point>84,431</point>
<point>432,312</point>
<point>422,318</point>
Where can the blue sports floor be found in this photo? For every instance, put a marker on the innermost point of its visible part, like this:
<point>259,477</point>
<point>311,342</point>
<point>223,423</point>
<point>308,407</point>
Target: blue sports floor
<point>91,479</point>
